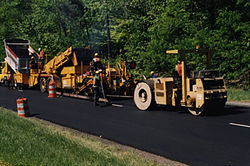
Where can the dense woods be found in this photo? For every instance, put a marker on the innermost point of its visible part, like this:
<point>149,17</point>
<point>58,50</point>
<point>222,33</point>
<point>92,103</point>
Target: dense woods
<point>143,29</point>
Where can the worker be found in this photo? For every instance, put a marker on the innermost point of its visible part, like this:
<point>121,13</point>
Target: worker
<point>97,64</point>
<point>41,54</point>
<point>178,68</point>
<point>96,86</point>
<point>154,74</point>
<point>32,62</point>
<point>41,60</point>
<point>10,80</point>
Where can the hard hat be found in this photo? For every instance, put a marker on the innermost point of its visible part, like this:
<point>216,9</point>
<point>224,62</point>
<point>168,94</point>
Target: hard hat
<point>39,49</point>
<point>32,57</point>
<point>152,72</point>
<point>96,54</point>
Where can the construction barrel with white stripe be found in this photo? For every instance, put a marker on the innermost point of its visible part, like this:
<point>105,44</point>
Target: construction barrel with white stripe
<point>52,89</point>
<point>22,107</point>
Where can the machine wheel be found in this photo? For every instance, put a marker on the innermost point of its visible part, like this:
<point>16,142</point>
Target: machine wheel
<point>4,81</point>
<point>43,85</point>
<point>196,111</point>
<point>143,97</point>
<point>20,86</point>
<point>11,83</point>
<point>47,82</point>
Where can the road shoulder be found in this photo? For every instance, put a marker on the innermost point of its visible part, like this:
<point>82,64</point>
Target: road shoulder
<point>238,103</point>
<point>158,159</point>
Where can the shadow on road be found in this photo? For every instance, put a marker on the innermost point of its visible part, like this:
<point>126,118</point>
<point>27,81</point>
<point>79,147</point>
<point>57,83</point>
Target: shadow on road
<point>230,110</point>
<point>33,115</point>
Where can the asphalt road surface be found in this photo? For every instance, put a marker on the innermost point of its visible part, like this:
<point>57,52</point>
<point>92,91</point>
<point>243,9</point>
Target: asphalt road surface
<point>211,140</point>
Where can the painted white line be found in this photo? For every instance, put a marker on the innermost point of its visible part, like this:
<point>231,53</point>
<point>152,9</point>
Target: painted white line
<point>20,90</point>
<point>117,105</point>
<point>240,125</point>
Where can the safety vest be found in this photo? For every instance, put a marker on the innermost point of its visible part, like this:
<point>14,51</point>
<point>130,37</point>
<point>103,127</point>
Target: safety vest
<point>96,59</point>
<point>179,69</point>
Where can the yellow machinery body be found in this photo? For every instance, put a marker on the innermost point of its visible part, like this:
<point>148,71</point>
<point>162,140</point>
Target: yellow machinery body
<point>116,81</point>
<point>197,92</point>
<point>16,70</point>
<point>68,70</point>
<point>4,71</point>
<point>119,80</point>
<point>71,76</point>
<point>65,69</point>
<point>163,90</point>
<point>16,78</point>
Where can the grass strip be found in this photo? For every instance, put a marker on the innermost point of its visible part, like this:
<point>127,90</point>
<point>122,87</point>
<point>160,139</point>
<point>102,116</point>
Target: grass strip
<point>238,95</point>
<point>28,141</point>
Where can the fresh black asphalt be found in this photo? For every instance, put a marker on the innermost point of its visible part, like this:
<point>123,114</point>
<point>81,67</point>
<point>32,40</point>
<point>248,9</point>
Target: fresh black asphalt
<point>177,135</point>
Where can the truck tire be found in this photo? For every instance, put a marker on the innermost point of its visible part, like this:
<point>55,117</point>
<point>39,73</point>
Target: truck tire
<point>143,96</point>
<point>43,85</point>
<point>4,82</point>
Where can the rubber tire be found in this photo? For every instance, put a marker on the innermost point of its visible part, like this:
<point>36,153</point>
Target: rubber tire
<point>48,81</point>
<point>43,85</point>
<point>140,88</point>
<point>196,111</point>
<point>3,82</point>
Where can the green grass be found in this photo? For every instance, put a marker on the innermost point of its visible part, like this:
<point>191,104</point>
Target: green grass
<point>238,95</point>
<point>28,141</point>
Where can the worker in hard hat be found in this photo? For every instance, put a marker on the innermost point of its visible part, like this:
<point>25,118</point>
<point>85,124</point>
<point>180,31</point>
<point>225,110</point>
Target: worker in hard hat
<point>41,54</point>
<point>41,58</point>
<point>97,64</point>
<point>96,86</point>
<point>177,73</point>
<point>32,62</point>
<point>154,74</point>
<point>10,80</point>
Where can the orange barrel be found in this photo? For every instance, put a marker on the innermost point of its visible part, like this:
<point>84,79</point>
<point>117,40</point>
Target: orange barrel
<point>22,107</point>
<point>52,89</point>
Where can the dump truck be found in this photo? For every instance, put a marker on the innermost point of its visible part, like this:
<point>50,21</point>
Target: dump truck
<point>16,69</point>
<point>197,91</point>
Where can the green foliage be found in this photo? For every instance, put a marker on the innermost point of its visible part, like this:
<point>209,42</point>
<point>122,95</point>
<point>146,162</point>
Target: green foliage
<point>238,95</point>
<point>143,29</point>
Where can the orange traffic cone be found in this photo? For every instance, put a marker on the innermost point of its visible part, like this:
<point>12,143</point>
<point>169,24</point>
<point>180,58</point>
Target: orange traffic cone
<point>52,89</point>
<point>22,107</point>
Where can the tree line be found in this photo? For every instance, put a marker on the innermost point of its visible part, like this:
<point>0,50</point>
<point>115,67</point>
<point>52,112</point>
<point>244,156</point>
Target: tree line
<point>143,29</point>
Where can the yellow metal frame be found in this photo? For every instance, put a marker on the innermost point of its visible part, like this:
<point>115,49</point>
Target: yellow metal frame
<point>189,97</point>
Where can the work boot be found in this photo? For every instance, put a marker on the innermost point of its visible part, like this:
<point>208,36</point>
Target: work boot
<point>96,104</point>
<point>108,103</point>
